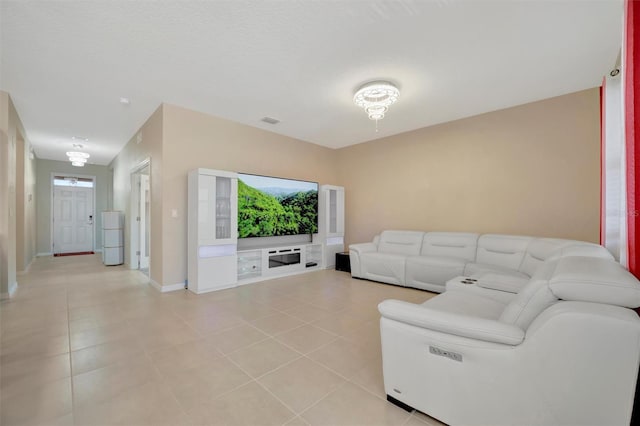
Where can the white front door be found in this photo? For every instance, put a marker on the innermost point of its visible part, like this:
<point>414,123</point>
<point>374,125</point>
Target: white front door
<point>145,198</point>
<point>73,219</point>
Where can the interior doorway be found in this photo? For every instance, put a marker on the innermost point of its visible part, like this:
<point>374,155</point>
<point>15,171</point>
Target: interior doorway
<point>140,237</point>
<point>73,214</point>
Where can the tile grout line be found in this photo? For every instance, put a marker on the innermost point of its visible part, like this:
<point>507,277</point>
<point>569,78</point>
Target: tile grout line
<point>319,304</point>
<point>169,389</point>
<point>264,388</point>
<point>341,385</point>
<point>73,397</point>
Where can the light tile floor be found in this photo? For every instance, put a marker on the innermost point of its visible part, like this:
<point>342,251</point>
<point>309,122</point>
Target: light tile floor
<point>85,344</point>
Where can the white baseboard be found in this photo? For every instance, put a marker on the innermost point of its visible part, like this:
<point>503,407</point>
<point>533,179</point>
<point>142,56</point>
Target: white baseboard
<point>44,254</point>
<point>166,288</point>
<point>12,290</point>
<point>27,268</point>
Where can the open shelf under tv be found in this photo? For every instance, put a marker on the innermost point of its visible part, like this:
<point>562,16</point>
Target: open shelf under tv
<point>276,261</point>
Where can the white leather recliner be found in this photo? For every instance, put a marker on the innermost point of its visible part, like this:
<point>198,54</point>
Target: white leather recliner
<point>564,350</point>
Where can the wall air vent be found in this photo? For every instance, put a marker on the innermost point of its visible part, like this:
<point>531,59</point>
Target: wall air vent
<point>270,120</point>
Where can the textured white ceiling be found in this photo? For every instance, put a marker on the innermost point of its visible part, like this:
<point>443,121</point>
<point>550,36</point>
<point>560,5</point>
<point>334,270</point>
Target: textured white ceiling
<point>67,63</point>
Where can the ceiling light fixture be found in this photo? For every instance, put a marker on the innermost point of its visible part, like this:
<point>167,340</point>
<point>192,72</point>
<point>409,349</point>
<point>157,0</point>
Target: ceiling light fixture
<point>125,101</point>
<point>77,154</point>
<point>77,158</point>
<point>376,97</point>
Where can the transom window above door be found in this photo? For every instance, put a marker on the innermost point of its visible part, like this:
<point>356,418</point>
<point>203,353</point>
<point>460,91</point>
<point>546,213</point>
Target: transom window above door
<point>73,181</point>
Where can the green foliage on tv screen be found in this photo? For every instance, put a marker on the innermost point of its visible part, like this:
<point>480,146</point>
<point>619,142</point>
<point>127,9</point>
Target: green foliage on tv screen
<point>264,215</point>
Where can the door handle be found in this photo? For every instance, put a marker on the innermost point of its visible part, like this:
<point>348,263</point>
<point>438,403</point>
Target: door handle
<point>90,219</point>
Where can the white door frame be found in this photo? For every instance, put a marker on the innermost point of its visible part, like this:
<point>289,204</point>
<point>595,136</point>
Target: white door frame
<point>51,213</point>
<point>144,212</point>
<point>134,210</point>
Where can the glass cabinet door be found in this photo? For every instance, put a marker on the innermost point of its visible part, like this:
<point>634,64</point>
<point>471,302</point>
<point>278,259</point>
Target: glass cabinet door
<point>333,211</point>
<point>206,208</point>
<point>223,208</point>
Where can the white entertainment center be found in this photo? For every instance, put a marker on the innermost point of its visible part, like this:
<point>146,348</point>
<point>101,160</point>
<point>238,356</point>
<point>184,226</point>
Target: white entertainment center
<point>217,261</point>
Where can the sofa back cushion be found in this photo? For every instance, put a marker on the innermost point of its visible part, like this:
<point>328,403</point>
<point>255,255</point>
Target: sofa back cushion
<point>541,249</point>
<point>532,299</point>
<point>506,251</point>
<point>460,245</point>
<point>401,242</point>
<point>592,279</point>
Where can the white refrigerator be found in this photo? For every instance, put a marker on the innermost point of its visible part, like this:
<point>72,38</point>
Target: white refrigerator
<point>112,237</point>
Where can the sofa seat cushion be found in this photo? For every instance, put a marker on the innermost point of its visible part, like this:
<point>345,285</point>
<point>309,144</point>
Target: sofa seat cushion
<point>467,303</point>
<point>501,282</point>
<point>433,269</point>
<point>457,284</point>
<point>383,267</point>
<point>476,270</point>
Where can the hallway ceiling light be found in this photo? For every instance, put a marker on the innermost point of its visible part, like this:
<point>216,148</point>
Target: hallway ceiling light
<point>376,97</point>
<point>77,158</point>
<point>78,154</point>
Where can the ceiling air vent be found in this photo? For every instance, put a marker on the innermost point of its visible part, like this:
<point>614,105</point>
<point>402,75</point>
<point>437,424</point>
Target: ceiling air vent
<point>270,120</point>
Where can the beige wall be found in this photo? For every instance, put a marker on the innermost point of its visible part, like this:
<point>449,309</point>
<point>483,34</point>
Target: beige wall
<point>7,200</point>
<point>193,140</point>
<point>17,216</point>
<point>135,152</point>
<point>30,206</point>
<point>43,198</point>
<point>532,170</point>
<point>25,204</point>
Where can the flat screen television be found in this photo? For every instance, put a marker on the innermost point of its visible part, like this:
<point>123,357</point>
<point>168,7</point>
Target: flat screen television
<point>271,206</point>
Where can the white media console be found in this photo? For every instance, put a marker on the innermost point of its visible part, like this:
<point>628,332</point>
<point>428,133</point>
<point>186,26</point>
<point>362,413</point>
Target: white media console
<point>215,261</point>
<point>264,263</point>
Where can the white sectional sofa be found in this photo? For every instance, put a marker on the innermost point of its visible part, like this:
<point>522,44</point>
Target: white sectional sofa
<point>562,350</point>
<point>427,260</point>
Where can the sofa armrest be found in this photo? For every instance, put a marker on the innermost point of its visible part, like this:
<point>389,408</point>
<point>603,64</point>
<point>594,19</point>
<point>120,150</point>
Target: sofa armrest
<point>452,323</point>
<point>363,248</point>
<point>355,250</point>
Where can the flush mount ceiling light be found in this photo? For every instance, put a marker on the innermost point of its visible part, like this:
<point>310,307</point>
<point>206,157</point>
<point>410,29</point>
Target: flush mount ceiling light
<point>376,97</point>
<point>77,164</point>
